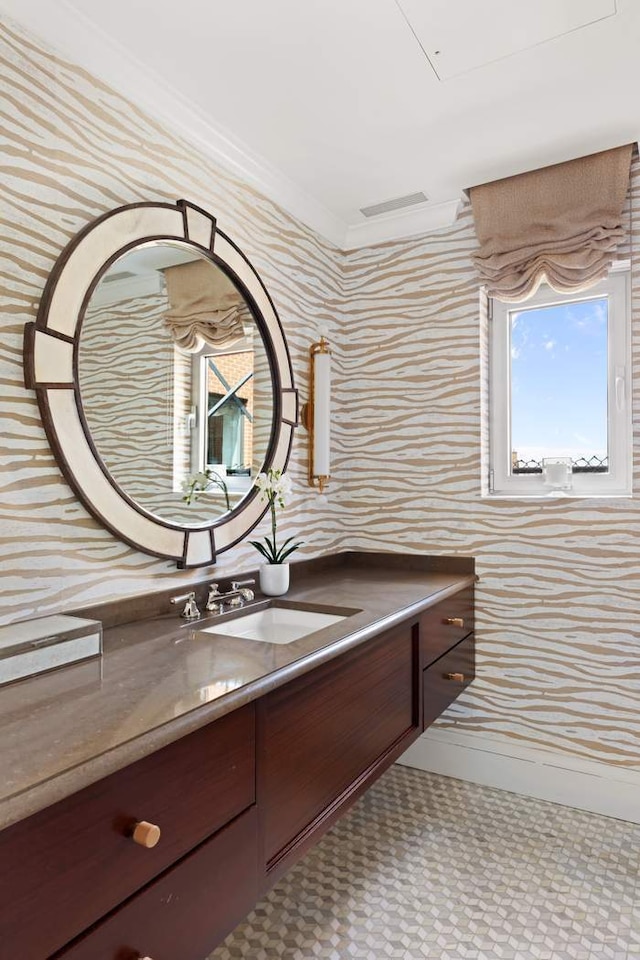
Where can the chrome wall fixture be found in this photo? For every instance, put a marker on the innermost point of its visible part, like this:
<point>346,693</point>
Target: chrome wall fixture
<point>317,414</point>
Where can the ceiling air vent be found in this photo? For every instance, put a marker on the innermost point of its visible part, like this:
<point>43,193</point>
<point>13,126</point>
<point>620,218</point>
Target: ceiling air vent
<point>377,208</point>
<point>123,275</point>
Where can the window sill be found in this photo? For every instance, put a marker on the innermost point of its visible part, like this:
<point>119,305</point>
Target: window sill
<point>558,495</point>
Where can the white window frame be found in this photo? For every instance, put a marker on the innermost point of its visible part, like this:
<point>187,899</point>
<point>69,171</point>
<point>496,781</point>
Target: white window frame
<point>617,482</point>
<point>199,396</point>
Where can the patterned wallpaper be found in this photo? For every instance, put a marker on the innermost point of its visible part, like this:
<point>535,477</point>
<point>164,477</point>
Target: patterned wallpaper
<point>125,371</point>
<point>559,594</point>
<point>73,149</point>
<point>136,389</point>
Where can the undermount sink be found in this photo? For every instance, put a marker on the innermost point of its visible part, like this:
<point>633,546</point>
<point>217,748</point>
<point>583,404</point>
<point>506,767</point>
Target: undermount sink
<point>279,623</point>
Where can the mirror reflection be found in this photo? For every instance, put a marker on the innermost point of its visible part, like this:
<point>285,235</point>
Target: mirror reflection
<point>175,383</point>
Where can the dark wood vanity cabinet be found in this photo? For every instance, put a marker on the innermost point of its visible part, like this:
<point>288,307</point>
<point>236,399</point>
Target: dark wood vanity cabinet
<point>445,624</point>
<point>67,866</point>
<point>445,679</point>
<point>237,802</point>
<point>447,652</point>
<point>331,732</point>
<point>188,910</point>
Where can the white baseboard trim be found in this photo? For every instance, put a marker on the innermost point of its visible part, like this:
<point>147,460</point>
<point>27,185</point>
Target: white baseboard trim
<point>544,775</point>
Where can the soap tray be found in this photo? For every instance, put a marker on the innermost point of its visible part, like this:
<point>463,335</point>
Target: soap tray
<point>33,646</point>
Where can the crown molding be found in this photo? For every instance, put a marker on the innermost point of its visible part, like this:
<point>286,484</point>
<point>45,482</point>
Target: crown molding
<point>70,32</point>
<point>397,226</point>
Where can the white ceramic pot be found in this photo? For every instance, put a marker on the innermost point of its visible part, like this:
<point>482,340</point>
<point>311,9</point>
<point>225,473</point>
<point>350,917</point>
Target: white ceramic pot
<point>274,578</point>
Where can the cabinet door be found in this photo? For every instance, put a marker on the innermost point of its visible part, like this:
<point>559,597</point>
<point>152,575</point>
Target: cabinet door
<point>330,730</point>
<point>186,912</point>
<point>445,679</point>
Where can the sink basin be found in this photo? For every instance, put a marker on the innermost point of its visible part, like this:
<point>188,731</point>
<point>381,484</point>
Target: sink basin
<point>277,624</point>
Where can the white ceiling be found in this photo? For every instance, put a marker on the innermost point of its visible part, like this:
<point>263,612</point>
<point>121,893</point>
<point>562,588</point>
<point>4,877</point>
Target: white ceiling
<point>332,105</point>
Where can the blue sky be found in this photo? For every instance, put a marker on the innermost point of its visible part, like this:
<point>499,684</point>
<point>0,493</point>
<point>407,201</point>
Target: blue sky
<point>559,380</point>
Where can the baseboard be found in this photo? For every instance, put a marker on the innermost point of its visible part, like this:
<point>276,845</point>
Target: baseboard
<point>583,784</point>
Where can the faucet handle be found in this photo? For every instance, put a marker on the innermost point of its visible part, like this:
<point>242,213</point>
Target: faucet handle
<point>240,597</point>
<point>214,604</point>
<point>242,587</point>
<point>190,611</point>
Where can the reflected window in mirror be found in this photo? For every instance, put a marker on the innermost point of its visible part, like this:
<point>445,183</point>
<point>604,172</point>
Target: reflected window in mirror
<point>222,421</point>
<point>131,298</point>
<point>175,379</point>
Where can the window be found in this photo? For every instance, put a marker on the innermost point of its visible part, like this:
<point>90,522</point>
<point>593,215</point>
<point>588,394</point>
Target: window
<point>222,398</point>
<point>559,391</point>
<point>225,432</point>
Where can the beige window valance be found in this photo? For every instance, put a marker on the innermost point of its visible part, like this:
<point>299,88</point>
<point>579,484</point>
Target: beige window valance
<point>204,307</point>
<point>562,224</point>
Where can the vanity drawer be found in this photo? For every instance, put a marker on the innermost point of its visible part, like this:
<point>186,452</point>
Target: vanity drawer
<point>445,679</point>
<point>81,850</point>
<point>185,913</point>
<point>444,625</point>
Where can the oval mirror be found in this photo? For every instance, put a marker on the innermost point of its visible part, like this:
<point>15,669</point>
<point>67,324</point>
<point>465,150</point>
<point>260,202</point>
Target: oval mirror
<point>164,379</point>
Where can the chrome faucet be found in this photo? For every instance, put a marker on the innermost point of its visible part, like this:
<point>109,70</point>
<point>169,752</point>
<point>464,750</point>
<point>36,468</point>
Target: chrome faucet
<point>243,587</point>
<point>236,597</point>
<point>190,611</point>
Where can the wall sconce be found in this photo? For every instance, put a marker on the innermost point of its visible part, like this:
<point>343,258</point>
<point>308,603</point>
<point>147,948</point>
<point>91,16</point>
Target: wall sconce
<point>557,473</point>
<point>316,414</point>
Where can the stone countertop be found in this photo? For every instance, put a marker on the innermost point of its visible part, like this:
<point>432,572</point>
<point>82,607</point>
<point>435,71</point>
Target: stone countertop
<point>161,678</point>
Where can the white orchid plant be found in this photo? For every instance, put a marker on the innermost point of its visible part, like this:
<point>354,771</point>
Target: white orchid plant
<point>276,489</point>
<point>197,483</point>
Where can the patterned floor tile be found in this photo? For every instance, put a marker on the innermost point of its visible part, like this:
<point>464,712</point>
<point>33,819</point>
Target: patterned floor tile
<point>429,868</point>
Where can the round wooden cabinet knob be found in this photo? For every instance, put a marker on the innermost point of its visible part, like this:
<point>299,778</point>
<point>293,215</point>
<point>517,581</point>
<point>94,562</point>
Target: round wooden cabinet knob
<point>460,677</point>
<point>146,835</point>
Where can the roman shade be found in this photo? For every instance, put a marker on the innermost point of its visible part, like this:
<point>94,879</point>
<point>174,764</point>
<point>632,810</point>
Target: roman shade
<point>562,224</point>
<point>204,307</point>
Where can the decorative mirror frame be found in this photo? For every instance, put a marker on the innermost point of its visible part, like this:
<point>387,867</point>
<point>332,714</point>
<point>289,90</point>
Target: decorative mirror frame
<point>51,369</point>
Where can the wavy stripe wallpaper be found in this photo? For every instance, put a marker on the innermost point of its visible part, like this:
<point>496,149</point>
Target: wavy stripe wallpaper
<point>559,594</point>
<point>126,372</point>
<point>559,591</point>
<point>73,149</point>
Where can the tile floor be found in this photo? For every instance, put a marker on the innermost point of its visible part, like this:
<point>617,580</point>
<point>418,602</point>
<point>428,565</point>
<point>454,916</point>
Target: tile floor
<point>429,868</point>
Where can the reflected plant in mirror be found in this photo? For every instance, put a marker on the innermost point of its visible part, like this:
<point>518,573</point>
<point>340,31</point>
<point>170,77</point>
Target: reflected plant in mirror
<point>162,371</point>
<point>196,484</point>
<point>175,383</point>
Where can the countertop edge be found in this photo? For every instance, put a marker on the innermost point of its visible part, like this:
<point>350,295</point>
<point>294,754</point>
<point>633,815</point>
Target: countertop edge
<point>21,805</point>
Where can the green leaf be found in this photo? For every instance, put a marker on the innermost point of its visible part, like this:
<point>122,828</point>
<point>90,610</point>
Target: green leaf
<point>288,540</point>
<point>271,549</point>
<point>260,547</point>
<point>283,552</point>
